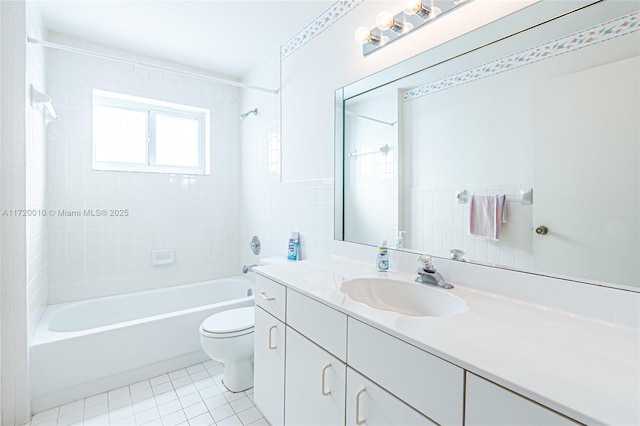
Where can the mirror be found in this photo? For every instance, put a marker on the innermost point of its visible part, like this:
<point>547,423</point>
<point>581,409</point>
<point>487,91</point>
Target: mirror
<point>545,121</point>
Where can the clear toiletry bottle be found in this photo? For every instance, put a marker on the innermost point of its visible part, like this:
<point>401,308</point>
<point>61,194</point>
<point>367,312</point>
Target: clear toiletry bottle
<point>382,260</point>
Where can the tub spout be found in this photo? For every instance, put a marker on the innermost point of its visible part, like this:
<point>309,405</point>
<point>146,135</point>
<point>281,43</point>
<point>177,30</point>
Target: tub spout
<point>249,268</point>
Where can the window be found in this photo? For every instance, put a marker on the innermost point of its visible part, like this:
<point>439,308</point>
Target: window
<point>145,135</point>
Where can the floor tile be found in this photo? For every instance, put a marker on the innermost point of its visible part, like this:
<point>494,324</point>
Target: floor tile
<point>118,393</point>
<point>144,405</point>
<point>249,416</point>
<point>142,395</point>
<point>232,396</point>
<point>261,422</point>
<point>221,412</point>
<point>178,373</point>
<point>241,404</point>
<point>202,420</point>
<point>181,381</point>
<point>98,420</point>
<point>96,410</point>
<point>230,421</point>
<point>71,419</point>
<point>192,398</point>
<point>195,368</point>
<point>204,374</point>
<point>174,419</point>
<point>147,416</point>
<point>137,387</point>
<point>119,402</point>
<point>186,390</point>
<point>166,397</point>
<point>127,421</point>
<point>169,407</point>
<point>210,391</point>
<point>162,388</point>
<point>158,380</point>
<point>195,410</point>
<point>215,401</point>
<point>121,413</point>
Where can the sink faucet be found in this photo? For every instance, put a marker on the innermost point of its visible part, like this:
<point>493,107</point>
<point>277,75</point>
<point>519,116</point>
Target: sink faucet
<point>427,273</point>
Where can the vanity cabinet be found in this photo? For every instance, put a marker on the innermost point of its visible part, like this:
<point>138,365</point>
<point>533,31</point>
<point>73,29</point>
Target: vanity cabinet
<point>433,386</point>
<point>489,404</point>
<point>314,385</point>
<point>269,348</point>
<point>317,365</point>
<point>368,403</point>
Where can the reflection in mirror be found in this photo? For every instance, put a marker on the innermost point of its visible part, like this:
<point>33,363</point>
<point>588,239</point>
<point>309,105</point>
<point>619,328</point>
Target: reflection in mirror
<point>437,154</point>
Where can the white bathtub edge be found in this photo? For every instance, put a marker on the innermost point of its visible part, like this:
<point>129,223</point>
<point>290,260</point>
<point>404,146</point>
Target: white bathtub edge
<point>54,399</point>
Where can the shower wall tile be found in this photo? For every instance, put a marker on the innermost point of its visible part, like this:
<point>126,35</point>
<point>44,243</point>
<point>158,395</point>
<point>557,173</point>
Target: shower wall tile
<point>196,216</point>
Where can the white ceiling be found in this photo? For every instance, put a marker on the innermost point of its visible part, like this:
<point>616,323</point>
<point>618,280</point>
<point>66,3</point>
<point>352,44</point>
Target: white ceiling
<point>225,37</point>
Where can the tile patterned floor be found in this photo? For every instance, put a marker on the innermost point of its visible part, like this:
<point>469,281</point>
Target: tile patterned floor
<point>193,396</point>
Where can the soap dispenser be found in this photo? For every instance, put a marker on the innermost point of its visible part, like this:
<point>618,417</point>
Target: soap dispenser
<point>382,260</point>
<point>400,240</point>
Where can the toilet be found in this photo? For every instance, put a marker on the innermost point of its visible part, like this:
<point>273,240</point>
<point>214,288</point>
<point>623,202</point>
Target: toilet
<point>227,337</point>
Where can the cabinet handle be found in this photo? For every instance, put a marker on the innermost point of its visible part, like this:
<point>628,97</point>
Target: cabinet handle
<point>324,371</point>
<point>270,330</point>
<point>263,294</point>
<point>360,392</point>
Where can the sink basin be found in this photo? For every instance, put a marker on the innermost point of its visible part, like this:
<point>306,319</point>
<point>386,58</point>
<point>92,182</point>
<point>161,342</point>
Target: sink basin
<point>404,298</point>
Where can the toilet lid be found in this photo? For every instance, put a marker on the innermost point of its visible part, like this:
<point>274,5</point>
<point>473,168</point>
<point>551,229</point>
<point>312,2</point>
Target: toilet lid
<point>229,321</point>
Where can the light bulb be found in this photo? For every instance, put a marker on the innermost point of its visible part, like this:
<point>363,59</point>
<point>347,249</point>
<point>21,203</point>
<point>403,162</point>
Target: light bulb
<point>362,35</point>
<point>385,21</point>
<point>413,7</point>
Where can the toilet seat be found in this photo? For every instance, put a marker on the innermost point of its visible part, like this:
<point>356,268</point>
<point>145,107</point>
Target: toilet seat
<point>229,323</point>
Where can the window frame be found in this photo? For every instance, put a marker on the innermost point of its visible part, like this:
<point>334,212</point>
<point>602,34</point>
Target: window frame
<point>152,108</point>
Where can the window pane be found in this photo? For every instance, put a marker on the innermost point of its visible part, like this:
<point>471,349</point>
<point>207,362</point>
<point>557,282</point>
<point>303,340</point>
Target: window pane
<point>177,141</point>
<point>119,135</point>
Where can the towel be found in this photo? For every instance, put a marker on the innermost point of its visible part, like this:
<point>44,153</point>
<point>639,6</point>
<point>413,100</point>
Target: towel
<point>487,213</point>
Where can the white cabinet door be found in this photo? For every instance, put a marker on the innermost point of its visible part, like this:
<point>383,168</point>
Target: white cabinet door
<point>491,405</point>
<point>369,404</point>
<point>315,384</point>
<point>433,386</point>
<point>269,366</point>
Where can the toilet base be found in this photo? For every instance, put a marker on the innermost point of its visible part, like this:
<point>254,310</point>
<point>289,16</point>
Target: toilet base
<point>238,375</point>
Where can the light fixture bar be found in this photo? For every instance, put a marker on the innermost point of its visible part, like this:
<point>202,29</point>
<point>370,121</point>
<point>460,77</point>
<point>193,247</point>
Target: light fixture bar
<point>85,52</point>
<point>390,27</point>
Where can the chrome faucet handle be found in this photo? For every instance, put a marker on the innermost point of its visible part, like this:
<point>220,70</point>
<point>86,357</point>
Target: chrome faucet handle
<point>426,264</point>
<point>457,255</point>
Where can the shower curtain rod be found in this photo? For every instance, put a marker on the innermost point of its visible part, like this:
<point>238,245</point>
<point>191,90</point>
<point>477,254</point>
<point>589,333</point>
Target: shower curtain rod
<point>148,65</point>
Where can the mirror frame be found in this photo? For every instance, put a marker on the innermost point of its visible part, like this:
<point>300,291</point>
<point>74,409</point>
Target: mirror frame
<point>587,13</point>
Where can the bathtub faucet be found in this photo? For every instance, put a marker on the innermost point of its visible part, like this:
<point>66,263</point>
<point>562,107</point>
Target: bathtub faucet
<point>249,268</point>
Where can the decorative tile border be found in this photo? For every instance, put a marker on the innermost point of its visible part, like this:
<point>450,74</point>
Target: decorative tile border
<point>606,31</point>
<point>329,17</point>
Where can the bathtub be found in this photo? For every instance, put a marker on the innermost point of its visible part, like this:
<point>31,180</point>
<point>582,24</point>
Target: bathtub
<point>84,348</point>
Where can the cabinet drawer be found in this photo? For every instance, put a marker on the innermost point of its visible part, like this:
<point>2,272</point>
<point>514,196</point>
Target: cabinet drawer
<point>370,403</point>
<point>318,322</point>
<point>271,296</point>
<point>490,404</point>
<point>429,384</point>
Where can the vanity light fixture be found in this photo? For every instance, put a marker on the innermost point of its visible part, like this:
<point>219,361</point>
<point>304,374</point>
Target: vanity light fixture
<point>391,27</point>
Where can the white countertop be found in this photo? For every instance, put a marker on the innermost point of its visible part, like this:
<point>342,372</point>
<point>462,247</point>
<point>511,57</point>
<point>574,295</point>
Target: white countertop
<point>586,369</point>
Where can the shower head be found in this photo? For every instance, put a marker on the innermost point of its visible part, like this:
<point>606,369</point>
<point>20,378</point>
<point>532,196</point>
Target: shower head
<point>248,113</point>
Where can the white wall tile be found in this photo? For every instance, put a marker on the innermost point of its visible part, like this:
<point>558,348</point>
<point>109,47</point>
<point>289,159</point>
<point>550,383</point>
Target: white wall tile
<point>197,216</point>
